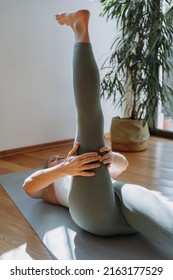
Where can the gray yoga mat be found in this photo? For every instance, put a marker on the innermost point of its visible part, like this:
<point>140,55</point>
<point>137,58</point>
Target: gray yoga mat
<point>65,240</point>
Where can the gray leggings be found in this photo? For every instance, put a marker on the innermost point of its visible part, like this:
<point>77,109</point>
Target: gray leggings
<point>94,203</point>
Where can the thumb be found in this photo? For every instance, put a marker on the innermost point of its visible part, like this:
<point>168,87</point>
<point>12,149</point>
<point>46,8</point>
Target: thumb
<point>73,150</point>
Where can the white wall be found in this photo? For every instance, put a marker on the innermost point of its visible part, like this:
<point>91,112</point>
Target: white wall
<point>36,98</point>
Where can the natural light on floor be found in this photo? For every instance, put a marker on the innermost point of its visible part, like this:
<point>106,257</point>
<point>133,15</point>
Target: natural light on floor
<point>61,242</point>
<point>18,253</point>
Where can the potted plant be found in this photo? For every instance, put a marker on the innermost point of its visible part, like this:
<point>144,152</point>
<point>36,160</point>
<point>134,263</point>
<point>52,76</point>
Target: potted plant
<point>136,67</point>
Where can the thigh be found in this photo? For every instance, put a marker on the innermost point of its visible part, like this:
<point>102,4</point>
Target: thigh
<point>95,207</point>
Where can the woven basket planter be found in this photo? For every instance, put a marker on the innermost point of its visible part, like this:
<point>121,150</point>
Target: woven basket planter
<point>129,135</point>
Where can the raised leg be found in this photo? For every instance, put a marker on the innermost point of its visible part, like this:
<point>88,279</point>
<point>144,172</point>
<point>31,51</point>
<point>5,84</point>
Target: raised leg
<point>92,202</point>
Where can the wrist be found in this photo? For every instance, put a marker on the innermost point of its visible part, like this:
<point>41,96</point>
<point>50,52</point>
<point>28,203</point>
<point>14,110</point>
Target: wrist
<point>58,171</point>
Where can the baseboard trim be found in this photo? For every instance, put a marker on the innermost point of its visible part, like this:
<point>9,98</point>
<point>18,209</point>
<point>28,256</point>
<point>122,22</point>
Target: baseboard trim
<point>34,148</point>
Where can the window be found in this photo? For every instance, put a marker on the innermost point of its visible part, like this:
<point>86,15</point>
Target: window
<point>164,123</point>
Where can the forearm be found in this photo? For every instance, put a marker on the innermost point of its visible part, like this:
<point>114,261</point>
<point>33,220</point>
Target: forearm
<point>82,165</point>
<point>39,180</point>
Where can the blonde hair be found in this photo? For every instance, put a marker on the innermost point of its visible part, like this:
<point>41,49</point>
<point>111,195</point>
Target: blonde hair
<point>46,163</point>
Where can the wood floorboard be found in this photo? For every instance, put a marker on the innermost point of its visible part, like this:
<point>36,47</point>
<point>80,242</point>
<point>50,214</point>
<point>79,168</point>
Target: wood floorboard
<point>15,231</point>
<point>30,160</point>
<point>152,169</point>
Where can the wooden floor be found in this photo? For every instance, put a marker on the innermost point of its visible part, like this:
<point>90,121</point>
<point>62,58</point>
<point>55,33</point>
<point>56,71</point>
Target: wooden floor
<point>14,229</point>
<point>30,160</point>
<point>152,169</point>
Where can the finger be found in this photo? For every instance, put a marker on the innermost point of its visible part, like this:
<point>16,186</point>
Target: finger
<point>77,145</point>
<point>86,174</point>
<point>107,157</point>
<point>87,161</point>
<point>108,166</point>
<point>106,161</point>
<point>104,149</point>
<point>90,154</point>
<point>74,150</point>
<point>90,166</point>
<point>89,157</point>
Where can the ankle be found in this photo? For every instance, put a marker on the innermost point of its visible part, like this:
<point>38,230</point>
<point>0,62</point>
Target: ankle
<point>81,33</point>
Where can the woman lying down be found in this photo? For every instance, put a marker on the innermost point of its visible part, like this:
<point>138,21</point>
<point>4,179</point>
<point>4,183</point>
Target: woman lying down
<point>52,183</point>
<point>82,181</point>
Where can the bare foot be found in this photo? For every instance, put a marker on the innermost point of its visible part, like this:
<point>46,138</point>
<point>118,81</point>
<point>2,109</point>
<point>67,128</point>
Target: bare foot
<point>78,21</point>
<point>81,16</point>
